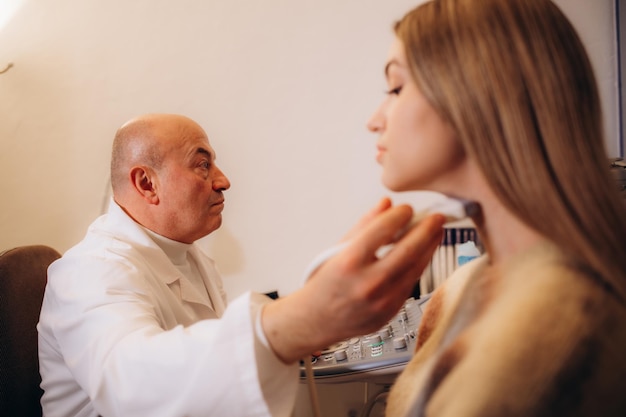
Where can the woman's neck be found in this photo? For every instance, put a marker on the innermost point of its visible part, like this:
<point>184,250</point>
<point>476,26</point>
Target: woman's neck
<point>502,234</point>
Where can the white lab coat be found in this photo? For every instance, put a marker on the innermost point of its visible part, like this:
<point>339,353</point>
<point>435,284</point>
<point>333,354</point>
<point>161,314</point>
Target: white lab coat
<point>122,333</point>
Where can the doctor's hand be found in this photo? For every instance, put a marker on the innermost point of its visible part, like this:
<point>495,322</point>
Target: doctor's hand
<point>354,292</point>
<point>383,205</point>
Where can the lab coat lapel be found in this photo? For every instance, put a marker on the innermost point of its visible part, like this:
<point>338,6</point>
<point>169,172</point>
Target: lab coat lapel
<point>210,281</point>
<point>184,289</point>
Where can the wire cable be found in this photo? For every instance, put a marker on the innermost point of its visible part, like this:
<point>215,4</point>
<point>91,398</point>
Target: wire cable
<point>310,379</point>
<point>381,397</point>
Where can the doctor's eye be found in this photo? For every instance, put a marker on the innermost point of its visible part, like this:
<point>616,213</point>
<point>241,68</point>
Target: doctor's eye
<point>394,91</point>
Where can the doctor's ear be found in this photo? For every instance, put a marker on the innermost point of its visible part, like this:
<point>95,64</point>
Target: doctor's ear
<point>143,180</point>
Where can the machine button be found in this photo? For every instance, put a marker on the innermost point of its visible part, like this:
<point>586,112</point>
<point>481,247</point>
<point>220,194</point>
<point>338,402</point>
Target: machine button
<point>376,345</point>
<point>341,355</point>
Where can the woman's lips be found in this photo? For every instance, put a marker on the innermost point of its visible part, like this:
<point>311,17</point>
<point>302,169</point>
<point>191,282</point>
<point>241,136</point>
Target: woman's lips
<point>380,151</point>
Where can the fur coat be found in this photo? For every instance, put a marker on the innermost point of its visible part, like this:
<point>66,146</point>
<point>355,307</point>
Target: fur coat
<point>537,336</point>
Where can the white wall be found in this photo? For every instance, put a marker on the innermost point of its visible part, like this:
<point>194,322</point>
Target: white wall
<point>283,88</point>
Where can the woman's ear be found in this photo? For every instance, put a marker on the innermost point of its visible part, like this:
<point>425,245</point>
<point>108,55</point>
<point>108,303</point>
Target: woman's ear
<point>144,181</point>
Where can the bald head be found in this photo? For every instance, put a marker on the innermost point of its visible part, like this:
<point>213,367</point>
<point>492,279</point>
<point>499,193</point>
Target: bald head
<point>144,140</point>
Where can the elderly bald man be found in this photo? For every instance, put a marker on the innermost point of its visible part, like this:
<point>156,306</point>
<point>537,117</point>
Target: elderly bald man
<point>135,320</point>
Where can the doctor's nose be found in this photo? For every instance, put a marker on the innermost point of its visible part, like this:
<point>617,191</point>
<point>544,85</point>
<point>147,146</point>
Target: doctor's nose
<point>221,182</point>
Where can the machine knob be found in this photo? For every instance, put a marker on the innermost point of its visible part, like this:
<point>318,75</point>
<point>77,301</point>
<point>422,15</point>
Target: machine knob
<point>399,343</point>
<point>341,355</point>
<point>385,332</point>
<point>402,316</point>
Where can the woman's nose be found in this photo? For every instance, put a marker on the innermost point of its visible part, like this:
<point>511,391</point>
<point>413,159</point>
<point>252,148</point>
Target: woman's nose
<point>376,122</point>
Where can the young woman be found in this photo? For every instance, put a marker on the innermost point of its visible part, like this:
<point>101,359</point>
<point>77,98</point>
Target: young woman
<point>495,101</point>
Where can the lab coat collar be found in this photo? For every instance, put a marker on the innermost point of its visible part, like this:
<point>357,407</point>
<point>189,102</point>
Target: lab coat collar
<point>124,228</point>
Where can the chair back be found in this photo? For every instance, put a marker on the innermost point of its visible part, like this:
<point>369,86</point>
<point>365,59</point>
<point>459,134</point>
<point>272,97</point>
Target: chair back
<point>23,276</point>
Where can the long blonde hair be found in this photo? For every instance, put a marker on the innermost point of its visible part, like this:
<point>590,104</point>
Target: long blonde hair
<point>513,79</point>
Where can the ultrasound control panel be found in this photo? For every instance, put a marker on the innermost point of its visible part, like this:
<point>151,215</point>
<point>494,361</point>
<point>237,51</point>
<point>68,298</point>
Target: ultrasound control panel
<point>378,356</point>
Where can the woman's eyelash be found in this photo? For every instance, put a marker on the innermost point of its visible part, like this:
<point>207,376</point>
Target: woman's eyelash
<point>395,91</point>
